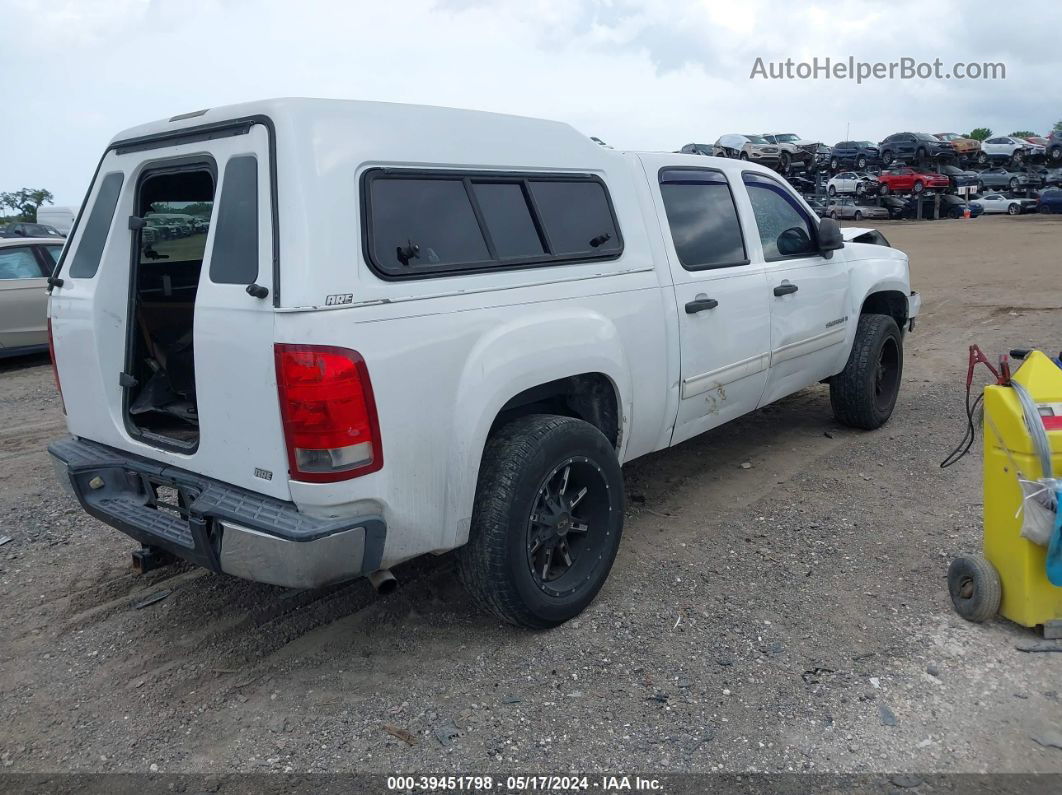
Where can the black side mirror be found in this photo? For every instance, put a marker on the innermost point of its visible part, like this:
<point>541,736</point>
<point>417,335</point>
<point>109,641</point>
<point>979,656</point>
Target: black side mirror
<point>830,238</point>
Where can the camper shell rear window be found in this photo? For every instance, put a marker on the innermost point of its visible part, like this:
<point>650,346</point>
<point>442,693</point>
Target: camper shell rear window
<point>420,224</point>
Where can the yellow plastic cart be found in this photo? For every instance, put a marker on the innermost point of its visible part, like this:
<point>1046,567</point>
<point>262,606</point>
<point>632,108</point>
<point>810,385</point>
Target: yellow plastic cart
<point>1010,579</point>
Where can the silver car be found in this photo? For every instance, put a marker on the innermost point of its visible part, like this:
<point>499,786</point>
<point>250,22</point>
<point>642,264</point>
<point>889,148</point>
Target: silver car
<point>25,264</point>
<point>755,148</point>
<point>846,207</point>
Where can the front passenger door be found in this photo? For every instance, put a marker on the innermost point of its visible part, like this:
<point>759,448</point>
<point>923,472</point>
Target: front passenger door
<point>807,291</point>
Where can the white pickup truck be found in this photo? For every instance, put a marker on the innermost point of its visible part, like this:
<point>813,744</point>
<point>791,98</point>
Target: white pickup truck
<point>387,330</point>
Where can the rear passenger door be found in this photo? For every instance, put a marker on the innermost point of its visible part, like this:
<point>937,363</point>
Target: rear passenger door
<point>721,298</point>
<point>808,292</point>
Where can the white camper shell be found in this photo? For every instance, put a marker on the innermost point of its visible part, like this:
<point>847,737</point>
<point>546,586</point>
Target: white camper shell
<point>300,341</point>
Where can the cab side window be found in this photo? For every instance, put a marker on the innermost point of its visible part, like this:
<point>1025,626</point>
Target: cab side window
<point>785,228</point>
<point>702,218</point>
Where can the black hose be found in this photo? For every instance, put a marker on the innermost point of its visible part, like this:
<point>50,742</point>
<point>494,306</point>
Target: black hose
<point>968,438</point>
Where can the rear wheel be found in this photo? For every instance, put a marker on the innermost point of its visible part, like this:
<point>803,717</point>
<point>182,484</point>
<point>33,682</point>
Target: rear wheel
<point>1013,183</point>
<point>863,395</point>
<point>832,190</point>
<point>861,162</point>
<point>886,157</point>
<point>546,523</point>
<point>982,159</point>
<point>834,163</point>
<point>975,588</point>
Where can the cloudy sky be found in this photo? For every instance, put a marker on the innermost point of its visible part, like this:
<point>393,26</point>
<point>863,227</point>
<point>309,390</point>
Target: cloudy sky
<point>641,74</point>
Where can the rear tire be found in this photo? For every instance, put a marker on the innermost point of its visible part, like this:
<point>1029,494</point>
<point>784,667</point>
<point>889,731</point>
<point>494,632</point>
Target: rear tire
<point>975,588</point>
<point>529,505</point>
<point>861,162</point>
<point>832,190</point>
<point>863,395</point>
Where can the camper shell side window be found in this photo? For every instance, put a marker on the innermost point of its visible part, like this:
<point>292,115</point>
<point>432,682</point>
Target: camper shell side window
<point>425,223</point>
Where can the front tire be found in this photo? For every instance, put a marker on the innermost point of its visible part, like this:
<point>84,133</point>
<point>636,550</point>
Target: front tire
<point>863,395</point>
<point>546,523</point>
<point>832,190</point>
<point>858,216</point>
<point>1013,209</point>
<point>861,162</point>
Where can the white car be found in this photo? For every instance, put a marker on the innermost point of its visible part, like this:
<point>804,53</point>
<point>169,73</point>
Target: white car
<point>1010,147</point>
<point>399,350</point>
<point>852,182</point>
<point>998,203</point>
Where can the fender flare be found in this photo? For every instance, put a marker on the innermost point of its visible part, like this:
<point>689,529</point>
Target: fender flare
<point>504,362</point>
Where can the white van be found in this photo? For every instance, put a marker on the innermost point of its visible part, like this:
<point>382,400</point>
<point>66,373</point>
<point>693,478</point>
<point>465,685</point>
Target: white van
<point>360,332</point>
<point>62,218</point>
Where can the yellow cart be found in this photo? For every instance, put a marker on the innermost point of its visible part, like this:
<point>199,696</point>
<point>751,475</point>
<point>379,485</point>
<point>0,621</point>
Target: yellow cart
<point>1011,579</point>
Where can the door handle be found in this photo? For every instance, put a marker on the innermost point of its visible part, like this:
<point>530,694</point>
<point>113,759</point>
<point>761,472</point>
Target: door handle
<point>785,289</point>
<point>700,304</point>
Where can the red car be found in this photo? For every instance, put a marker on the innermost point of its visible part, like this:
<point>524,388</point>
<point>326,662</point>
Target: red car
<point>909,180</point>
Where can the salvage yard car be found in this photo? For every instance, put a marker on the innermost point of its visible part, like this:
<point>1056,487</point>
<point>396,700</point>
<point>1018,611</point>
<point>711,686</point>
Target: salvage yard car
<point>747,147</point>
<point>857,153</point>
<point>1007,147</point>
<point>386,348</point>
<point>1001,179</point>
<point>852,182</point>
<point>914,147</point>
<point>846,207</point>
<point>903,179</point>
<point>998,203</point>
<point>25,264</point>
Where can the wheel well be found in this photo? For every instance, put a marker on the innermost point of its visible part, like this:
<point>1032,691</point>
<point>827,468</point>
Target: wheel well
<point>887,302</point>
<point>589,396</point>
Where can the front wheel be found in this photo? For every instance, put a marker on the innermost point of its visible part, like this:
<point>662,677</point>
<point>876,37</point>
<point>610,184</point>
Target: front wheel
<point>884,189</point>
<point>918,186</point>
<point>982,159</point>
<point>1013,209</point>
<point>834,163</point>
<point>743,156</point>
<point>783,163</point>
<point>861,162</point>
<point>832,190</point>
<point>858,216</point>
<point>863,395</point>
<point>1045,209</point>
<point>546,523</point>
<point>886,157</point>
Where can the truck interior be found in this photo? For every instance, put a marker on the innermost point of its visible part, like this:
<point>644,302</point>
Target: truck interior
<point>175,205</point>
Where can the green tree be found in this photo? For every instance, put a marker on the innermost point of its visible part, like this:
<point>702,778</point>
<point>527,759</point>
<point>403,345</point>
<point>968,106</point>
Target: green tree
<point>26,201</point>
<point>1058,126</point>
<point>980,133</point>
<point>1023,134</point>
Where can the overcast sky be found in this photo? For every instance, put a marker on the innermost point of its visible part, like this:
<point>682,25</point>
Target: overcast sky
<point>648,74</point>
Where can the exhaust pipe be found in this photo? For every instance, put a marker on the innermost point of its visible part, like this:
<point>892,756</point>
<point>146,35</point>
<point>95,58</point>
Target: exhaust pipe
<point>383,582</point>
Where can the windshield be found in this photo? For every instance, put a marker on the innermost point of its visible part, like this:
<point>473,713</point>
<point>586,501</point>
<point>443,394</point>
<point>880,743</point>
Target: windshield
<point>866,143</point>
<point>756,139</point>
<point>786,138</point>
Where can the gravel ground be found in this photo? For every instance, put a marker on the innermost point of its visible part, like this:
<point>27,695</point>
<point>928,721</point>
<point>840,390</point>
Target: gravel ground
<point>791,616</point>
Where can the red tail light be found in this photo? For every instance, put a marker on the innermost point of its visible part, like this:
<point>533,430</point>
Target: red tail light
<point>55,367</point>
<point>326,403</point>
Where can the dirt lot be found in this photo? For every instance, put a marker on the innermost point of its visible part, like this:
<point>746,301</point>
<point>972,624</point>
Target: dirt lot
<point>790,616</point>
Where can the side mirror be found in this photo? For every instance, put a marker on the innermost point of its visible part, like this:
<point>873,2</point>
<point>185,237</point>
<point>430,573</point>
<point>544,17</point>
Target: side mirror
<point>830,238</point>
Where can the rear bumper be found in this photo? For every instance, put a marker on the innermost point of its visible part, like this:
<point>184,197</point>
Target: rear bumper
<point>215,525</point>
